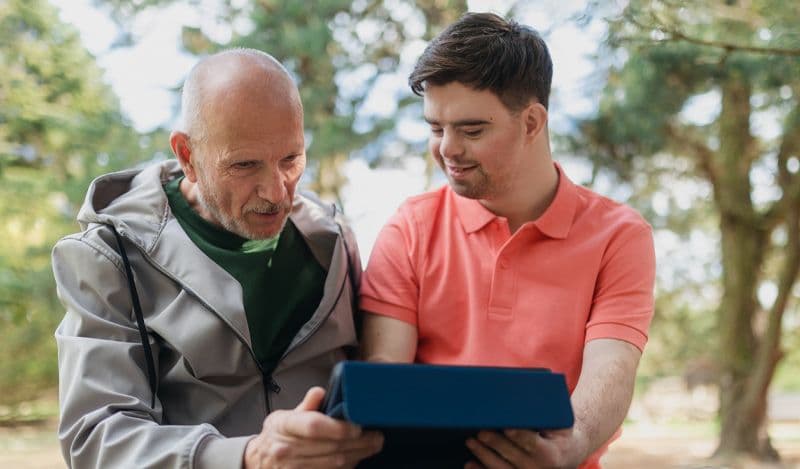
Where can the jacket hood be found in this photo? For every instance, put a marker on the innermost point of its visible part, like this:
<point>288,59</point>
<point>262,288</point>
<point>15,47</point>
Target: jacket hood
<point>133,201</point>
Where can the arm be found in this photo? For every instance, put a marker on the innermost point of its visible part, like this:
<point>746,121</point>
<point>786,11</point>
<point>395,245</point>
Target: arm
<point>390,287</point>
<point>616,333</point>
<point>105,416</point>
<point>600,402</point>
<point>387,339</point>
<point>605,389</point>
<point>104,396</point>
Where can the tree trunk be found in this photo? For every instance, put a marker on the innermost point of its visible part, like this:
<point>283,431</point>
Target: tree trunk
<point>742,408</point>
<point>745,374</point>
<point>329,179</point>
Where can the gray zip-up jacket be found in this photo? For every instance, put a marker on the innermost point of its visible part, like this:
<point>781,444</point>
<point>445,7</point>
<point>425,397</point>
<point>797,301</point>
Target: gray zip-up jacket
<point>212,396</point>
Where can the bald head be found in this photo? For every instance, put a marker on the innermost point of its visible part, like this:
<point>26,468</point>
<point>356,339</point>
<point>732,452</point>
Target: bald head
<point>242,145</point>
<point>233,85</point>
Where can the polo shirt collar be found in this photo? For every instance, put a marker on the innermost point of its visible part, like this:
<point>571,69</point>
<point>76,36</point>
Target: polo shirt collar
<point>557,219</point>
<point>471,213</point>
<point>555,222</point>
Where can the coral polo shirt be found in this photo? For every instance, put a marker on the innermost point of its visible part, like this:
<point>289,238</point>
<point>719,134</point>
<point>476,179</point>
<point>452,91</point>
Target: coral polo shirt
<point>480,295</point>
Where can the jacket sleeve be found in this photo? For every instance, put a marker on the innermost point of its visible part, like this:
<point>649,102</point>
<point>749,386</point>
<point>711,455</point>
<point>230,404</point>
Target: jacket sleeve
<point>354,267</point>
<point>354,257</point>
<point>104,394</point>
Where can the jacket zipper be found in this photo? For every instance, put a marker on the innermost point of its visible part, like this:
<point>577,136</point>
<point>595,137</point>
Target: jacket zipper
<point>269,383</point>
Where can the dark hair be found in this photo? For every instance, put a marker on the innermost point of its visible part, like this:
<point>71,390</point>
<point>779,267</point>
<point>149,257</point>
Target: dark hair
<point>485,51</point>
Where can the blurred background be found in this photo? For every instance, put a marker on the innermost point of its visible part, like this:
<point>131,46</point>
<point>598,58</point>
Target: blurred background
<point>688,111</point>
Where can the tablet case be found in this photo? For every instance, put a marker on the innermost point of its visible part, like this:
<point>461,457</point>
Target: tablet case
<point>427,412</point>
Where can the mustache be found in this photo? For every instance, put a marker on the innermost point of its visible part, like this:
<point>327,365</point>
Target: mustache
<point>269,208</point>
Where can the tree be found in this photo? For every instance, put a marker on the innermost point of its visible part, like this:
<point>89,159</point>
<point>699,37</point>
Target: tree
<point>59,125</point>
<point>743,56</point>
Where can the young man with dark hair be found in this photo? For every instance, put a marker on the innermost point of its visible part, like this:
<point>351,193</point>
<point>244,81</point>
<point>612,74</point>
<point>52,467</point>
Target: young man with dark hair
<point>511,264</point>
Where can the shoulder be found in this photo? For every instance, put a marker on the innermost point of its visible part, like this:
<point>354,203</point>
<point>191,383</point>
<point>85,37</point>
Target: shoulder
<point>96,238</point>
<point>427,201</point>
<point>311,213</point>
<point>422,209</point>
<point>309,201</point>
<point>597,209</point>
<point>319,221</point>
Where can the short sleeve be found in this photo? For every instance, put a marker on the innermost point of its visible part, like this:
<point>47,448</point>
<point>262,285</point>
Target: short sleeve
<point>389,286</point>
<point>623,302</point>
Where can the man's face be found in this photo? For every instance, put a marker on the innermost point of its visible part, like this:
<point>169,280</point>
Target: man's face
<point>249,170</point>
<point>476,140</point>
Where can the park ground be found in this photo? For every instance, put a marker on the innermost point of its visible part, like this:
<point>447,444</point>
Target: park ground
<point>645,443</point>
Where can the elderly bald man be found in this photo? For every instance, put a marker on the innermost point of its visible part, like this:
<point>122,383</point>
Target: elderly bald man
<point>206,300</point>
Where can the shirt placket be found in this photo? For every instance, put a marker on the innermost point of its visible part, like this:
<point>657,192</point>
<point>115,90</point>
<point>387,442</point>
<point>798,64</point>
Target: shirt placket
<point>504,279</point>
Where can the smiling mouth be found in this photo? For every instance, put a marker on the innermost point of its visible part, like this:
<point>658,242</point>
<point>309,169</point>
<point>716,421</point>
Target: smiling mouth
<point>460,170</point>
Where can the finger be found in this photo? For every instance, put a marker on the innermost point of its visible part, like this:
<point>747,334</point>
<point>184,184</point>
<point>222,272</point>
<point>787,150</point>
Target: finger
<point>501,445</point>
<point>486,456</point>
<point>312,400</point>
<point>527,440</point>
<point>354,456</point>
<point>368,443</point>
<point>348,458</point>
<point>324,461</point>
<point>553,434</point>
<point>312,425</point>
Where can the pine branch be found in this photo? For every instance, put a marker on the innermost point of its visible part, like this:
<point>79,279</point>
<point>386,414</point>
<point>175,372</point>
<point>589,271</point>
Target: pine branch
<point>674,34</point>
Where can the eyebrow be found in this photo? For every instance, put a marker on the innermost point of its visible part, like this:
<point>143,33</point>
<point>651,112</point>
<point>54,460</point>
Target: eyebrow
<point>460,123</point>
<point>228,161</point>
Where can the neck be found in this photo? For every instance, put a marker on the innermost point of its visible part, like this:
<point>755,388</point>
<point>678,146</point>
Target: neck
<point>191,192</point>
<point>530,198</point>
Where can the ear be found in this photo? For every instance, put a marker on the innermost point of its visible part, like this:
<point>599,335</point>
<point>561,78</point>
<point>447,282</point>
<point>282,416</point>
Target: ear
<point>535,119</point>
<point>179,142</point>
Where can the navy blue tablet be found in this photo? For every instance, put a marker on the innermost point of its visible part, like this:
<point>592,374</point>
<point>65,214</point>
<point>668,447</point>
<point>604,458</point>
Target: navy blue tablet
<point>428,411</point>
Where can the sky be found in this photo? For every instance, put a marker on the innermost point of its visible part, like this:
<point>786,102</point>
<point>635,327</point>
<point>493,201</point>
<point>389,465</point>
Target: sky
<point>144,76</point>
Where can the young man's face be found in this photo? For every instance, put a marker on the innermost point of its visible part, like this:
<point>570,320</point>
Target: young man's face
<point>476,140</point>
<point>249,172</point>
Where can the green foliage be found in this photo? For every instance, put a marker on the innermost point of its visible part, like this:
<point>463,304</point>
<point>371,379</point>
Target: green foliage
<point>673,51</point>
<point>29,310</point>
<point>60,125</point>
<point>742,59</point>
<point>50,87</point>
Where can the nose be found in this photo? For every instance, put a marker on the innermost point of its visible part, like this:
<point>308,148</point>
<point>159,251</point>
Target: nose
<point>272,187</point>
<point>449,145</point>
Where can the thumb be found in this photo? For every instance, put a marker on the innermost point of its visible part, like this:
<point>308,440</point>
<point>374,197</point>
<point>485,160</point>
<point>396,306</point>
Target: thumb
<point>312,399</point>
